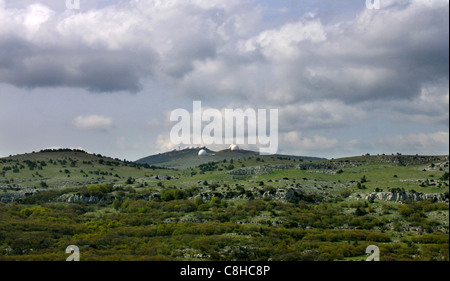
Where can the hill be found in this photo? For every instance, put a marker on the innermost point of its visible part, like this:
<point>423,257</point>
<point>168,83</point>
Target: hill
<point>189,158</point>
<point>397,159</point>
<point>247,208</point>
<point>62,168</point>
<point>59,154</point>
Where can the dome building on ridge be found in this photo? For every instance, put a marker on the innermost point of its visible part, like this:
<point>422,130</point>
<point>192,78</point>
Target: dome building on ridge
<point>233,147</point>
<point>202,152</point>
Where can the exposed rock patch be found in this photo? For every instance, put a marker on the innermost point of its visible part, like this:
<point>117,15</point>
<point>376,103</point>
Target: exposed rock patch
<point>10,197</point>
<point>78,198</point>
<point>402,196</point>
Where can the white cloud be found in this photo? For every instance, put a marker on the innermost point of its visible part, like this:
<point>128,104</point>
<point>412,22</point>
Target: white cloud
<point>430,107</point>
<point>388,55</point>
<point>283,43</point>
<point>36,15</point>
<point>120,45</point>
<point>163,143</point>
<point>93,122</point>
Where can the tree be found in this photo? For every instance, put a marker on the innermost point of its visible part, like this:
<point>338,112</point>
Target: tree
<point>116,204</point>
<point>215,201</point>
<point>360,211</point>
<point>173,194</point>
<point>363,179</point>
<point>198,201</point>
<point>405,210</point>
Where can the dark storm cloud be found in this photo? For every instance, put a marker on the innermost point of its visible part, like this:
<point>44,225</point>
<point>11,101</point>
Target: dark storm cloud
<point>24,64</point>
<point>105,72</point>
<point>105,50</point>
<point>386,54</point>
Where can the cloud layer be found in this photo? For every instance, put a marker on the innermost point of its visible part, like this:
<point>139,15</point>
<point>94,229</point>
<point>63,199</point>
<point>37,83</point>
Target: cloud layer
<point>387,54</point>
<point>329,72</point>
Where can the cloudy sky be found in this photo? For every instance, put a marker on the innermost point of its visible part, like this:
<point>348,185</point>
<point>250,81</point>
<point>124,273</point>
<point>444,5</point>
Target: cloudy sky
<point>346,80</point>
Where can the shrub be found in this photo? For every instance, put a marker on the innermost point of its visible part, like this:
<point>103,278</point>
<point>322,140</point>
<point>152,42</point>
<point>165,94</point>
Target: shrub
<point>173,194</point>
<point>215,201</point>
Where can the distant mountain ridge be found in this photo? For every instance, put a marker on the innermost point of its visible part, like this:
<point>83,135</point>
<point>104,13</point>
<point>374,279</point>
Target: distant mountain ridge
<point>189,157</point>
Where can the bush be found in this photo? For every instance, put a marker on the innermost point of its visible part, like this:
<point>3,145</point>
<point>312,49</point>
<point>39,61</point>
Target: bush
<point>360,212</point>
<point>173,194</point>
<point>130,180</point>
<point>97,190</point>
<point>116,204</point>
<point>198,201</point>
<point>215,201</point>
<point>184,206</point>
<point>433,238</point>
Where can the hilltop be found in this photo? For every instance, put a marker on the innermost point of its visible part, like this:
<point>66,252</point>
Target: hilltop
<point>61,168</point>
<point>397,159</point>
<point>189,158</point>
<point>59,154</point>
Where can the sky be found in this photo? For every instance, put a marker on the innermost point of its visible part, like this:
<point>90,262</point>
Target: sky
<point>346,80</point>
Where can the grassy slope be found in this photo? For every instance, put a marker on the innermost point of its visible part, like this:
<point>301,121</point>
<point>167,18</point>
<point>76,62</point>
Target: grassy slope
<point>88,169</point>
<point>379,175</point>
<point>188,158</point>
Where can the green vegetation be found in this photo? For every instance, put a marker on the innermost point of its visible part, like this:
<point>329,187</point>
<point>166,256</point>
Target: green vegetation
<point>118,210</point>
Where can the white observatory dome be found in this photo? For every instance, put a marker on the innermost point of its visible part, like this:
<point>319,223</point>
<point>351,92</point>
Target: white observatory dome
<point>234,147</point>
<point>202,153</point>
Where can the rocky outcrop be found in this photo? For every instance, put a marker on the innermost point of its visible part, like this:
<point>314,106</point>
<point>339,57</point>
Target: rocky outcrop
<point>267,169</point>
<point>10,197</point>
<point>405,160</point>
<point>280,194</point>
<point>260,170</point>
<point>402,196</point>
<point>78,198</point>
<point>165,177</point>
<point>334,165</point>
<point>328,165</point>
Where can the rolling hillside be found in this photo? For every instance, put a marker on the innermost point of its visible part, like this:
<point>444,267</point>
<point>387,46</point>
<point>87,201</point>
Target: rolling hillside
<point>189,158</point>
<point>249,207</point>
